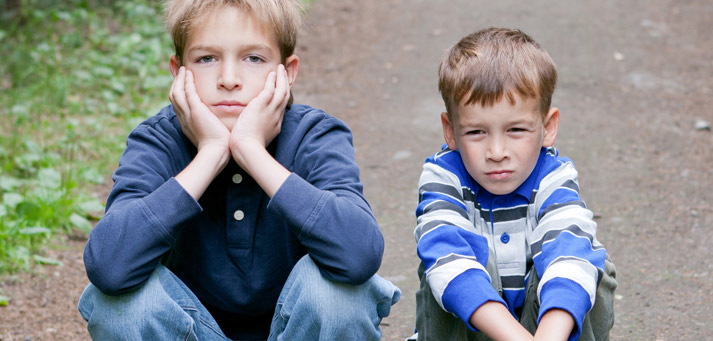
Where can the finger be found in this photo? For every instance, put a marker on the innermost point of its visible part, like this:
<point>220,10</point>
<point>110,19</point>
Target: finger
<point>265,96</point>
<point>194,101</point>
<point>179,94</point>
<point>173,88</point>
<point>282,87</point>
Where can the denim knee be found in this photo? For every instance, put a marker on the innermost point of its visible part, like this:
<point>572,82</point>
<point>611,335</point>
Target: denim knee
<point>312,307</point>
<point>161,308</point>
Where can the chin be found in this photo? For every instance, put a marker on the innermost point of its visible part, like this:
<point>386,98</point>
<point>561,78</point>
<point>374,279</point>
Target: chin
<point>500,190</point>
<point>229,123</point>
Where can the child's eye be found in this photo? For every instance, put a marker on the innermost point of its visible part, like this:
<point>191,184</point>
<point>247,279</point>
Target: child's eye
<point>206,59</point>
<point>254,59</point>
<point>475,132</point>
<point>517,130</point>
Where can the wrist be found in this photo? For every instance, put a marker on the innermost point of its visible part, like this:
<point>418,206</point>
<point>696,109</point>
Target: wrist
<point>200,172</point>
<point>214,153</point>
<point>494,319</point>
<point>555,324</point>
<point>244,150</point>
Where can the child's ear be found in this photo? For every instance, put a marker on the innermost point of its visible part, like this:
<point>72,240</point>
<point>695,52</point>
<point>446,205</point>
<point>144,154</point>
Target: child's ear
<point>552,120</point>
<point>175,64</point>
<point>448,132</point>
<point>292,65</point>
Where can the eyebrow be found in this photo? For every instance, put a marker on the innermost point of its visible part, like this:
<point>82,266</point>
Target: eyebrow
<point>523,121</point>
<point>214,48</point>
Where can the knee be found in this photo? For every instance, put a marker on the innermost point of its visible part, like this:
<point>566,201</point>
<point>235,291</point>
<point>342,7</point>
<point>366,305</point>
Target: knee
<point>147,308</point>
<point>330,300</point>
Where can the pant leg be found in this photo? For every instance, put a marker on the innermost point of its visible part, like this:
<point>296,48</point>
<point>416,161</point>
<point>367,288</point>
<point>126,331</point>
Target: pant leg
<point>311,307</point>
<point>163,308</point>
<point>598,321</point>
<point>433,323</point>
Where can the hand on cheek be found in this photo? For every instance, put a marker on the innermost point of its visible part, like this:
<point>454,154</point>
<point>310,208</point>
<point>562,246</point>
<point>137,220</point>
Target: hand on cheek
<point>199,124</point>
<point>261,120</point>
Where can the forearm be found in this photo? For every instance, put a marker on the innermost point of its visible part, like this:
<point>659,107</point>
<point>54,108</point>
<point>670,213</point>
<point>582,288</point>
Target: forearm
<point>493,319</point>
<point>204,167</point>
<point>555,324</point>
<point>255,159</point>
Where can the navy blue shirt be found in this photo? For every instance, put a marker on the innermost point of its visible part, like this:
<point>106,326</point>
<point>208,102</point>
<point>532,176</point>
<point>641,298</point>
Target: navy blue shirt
<point>235,247</point>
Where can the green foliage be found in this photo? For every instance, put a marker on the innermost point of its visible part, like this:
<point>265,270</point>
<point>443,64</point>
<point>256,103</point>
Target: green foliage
<point>4,300</point>
<point>75,77</point>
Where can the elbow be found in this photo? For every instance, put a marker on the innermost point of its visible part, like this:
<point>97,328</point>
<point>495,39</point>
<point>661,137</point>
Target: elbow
<point>360,269</point>
<point>107,276</point>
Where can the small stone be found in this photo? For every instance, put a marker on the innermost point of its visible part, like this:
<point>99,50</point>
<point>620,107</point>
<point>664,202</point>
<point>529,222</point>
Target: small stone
<point>403,154</point>
<point>703,125</point>
<point>618,56</point>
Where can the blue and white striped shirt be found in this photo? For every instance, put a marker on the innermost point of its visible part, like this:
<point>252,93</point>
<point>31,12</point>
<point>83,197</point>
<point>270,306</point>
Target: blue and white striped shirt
<point>542,223</point>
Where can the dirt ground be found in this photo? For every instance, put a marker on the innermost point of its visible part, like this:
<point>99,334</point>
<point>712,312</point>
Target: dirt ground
<point>635,78</point>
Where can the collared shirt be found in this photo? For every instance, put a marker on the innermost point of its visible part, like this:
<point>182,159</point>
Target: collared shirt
<point>235,247</point>
<point>542,223</point>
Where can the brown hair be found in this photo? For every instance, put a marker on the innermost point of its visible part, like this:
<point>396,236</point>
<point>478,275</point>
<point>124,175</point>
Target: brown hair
<point>283,17</point>
<point>495,62</point>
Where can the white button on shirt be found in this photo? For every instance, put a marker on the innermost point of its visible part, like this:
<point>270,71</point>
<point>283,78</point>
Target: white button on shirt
<point>237,178</point>
<point>238,215</point>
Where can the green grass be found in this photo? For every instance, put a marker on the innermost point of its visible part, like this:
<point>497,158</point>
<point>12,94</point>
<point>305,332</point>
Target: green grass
<point>75,77</point>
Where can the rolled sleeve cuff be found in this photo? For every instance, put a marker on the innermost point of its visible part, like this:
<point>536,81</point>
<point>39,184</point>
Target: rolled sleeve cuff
<point>467,292</point>
<point>565,294</point>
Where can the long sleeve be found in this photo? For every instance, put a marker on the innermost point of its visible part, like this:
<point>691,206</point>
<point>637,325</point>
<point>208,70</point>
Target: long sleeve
<point>143,210</point>
<point>323,202</point>
<point>454,254</point>
<point>566,253</point>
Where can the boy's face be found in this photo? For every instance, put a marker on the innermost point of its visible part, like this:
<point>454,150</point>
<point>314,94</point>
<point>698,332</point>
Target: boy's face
<point>500,145</point>
<point>231,55</point>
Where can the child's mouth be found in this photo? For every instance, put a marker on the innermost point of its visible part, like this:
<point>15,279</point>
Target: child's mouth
<point>499,175</point>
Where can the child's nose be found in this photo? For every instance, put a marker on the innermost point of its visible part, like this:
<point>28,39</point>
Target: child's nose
<point>229,77</point>
<point>496,149</point>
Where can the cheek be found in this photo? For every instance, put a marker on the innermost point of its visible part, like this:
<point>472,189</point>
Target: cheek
<point>201,82</point>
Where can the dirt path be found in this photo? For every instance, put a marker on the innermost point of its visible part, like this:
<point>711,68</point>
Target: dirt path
<point>635,78</point>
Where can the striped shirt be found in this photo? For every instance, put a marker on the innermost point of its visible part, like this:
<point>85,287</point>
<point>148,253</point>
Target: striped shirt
<point>542,223</point>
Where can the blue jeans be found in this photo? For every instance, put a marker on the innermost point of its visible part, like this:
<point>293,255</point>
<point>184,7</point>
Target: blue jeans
<point>309,308</point>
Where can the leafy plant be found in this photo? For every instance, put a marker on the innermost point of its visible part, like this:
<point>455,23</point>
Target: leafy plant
<point>75,77</point>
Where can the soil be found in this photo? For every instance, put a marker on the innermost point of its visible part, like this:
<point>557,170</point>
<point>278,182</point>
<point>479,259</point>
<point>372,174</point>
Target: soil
<point>635,91</point>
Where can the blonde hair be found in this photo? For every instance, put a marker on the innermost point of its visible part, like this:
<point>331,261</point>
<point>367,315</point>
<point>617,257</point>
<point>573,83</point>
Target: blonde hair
<point>283,17</point>
<point>495,62</point>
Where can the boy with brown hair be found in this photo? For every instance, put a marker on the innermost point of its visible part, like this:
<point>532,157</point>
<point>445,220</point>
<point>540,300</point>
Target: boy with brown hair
<point>508,248</point>
<point>236,214</point>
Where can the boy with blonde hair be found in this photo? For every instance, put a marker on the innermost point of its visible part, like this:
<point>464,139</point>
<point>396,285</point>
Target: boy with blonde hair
<point>236,214</point>
<point>508,248</point>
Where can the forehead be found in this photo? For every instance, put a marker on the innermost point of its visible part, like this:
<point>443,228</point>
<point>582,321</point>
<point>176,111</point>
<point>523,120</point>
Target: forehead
<point>523,109</point>
<point>225,26</point>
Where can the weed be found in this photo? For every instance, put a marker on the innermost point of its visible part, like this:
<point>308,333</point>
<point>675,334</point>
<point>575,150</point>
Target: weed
<point>75,77</point>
